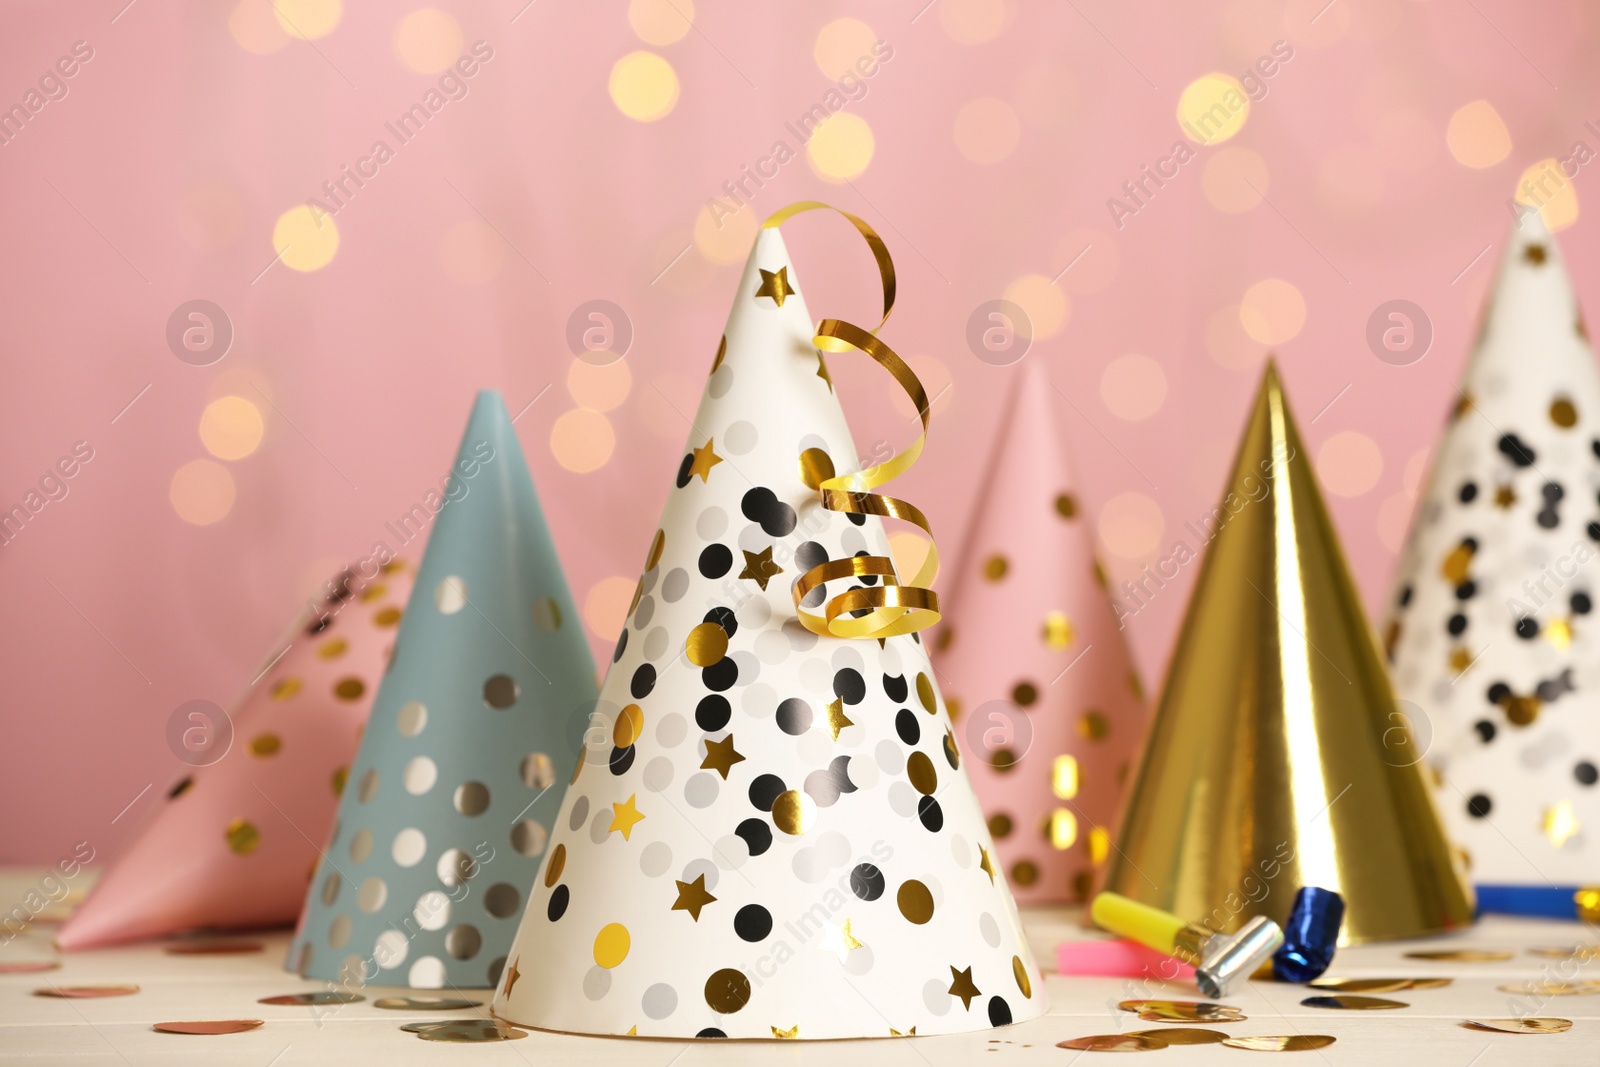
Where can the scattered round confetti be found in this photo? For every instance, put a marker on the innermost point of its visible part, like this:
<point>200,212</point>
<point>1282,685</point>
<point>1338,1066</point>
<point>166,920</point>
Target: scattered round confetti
<point>1182,1011</point>
<point>1552,988</point>
<point>1461,955</point>
<point>209,1026</point>
<point>1350,1002</point>
<point>424,1004</point>
<point>213,948</point>
<point>1182,1035</point>
<point>1362,985</point>
<point>28,966</point>
<point>1113,1043</point>
<point>86,992</point>
<point>1286,1043</point>
<point>306,1000</point>
<point>1521,1026</point>
<point>1577,952</point>
<point>471,1030</point>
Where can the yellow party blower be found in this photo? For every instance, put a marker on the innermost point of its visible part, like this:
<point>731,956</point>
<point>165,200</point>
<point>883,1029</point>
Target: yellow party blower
<point>1220,961</point>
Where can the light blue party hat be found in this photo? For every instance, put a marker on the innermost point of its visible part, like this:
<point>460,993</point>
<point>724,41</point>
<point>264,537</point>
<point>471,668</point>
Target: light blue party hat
<point>469,747</point>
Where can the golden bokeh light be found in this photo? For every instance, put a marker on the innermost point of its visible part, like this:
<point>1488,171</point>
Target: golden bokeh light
<point>1546,186</point>
<point>1272,311</point>
<point>1046,305</point>
<point>1064,777</point>
<point>661,22</point>
<point>644,86</point>
<point>974,21</point>
<point>1212,108</point>
<point>987,130</point>
<point>1227,342</point>
<point>201,492</point>
<point>1477,136</point>
<point>471,252</point>
<point>306,239</point>
<point>308,19</point>
<point>428,40</point>
<point>841,147</point>
<point>1133,387</point>
<point>231,427</point>
<point>1131,525</point>
<point>599,387</point>
<point>726,238</point>
<point>841,44</point>
<point>582,440</point>
<point>1349,464</point>
<point>605,608</point>
<point>255,27</point>
<point>1235,179</point>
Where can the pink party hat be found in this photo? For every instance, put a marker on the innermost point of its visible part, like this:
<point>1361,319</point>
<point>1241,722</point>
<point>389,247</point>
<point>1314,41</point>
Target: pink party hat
<point>236,841</point>
<point>1033,657</point>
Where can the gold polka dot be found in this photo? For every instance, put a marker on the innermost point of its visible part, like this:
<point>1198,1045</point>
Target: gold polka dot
<point>657,546</point>
<point>1019,971</point>
<point>999,826</point>
<point>816,467</point>
<point>349,689</point>
<point>264,745</point>
<point>1457,564</point>
<point>1100,578</point>
<point>1003,760</point>
<point>1092,726</point>
<point>333,648</point>
<point>181,788</point>
<point>919,768</point>
<point>727,991</point>
<point>1083,885</point>
<point>1057,630</point>
<point>394,566</point>
<point>947,634</point>
<point>286,689</point>
<point>1064,777</point>
<point>243,837</point>
<point>1521,710</point>
<point>547,614</point>
<point>916,902</point>
<point>374,592</point>
<point>925,693</point>
<point>1099,845</point>
<point>1135,686</point>
<point>611,945</point>
<point>552,870</point>
<point>952,753</point>
<point>706,644</point>
<point>1563,414</point>
<point>629,725</point>
<point>1023,694</point>
<point>1025,873</point>
<point>952,707</point>
<point>1061,829</point>
<point>338,779</point>
<point>794,812</point>
<point>1067,506</point>
<point>387,617</point>
<point>995,567</point>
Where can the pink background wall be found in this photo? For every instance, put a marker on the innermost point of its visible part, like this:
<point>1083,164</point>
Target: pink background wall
<point>158,178</point>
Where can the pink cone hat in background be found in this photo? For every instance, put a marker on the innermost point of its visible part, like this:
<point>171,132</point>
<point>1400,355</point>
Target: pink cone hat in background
<point>235,843</point>
<point>1051,707</point>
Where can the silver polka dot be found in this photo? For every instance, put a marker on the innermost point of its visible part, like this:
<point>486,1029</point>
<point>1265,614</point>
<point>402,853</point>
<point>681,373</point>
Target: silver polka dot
<point>659,1001</point>
<point>419,775</point>
<point>753,539</point>
<point>772,647</point>
<point>815,676</point>
<point>936,996</point>
<point>740,437</point>
<point>529,837</point>
<point>409,847</point>
<point>891,760</point>
<point>749,666</point>
<point>450,595</point>
<point>710,523</point>
<point>671,729</point>
<point>889,658</point>
<point>674,585</point>
<point>851,541</point>
<point>369,786</point>
<point>644,612</point>
<point>463,942</point>
<point>537,771</point>
<point>902,799</point>
<point>330,889</point>
<point>655,859</point>
<point>655,643</point>
<point>696,867</point>
<point>472,798</point>
<point>990,929</point>
<point>800,638</point>
<point>759,700</point>
<point>961,851</point>
<point>845,657</point>
<point>721,381</point>
<point>730,852</point>
<point>658,774</point>
<point>361,846</point>
<point>502,900</point>
<point>753,612</point>
<point>500,691</point>
<point>596,982</point>
<point>455,867</point>
<point>580,812</point>
<point>700,791</point>
<point>339,931</point>
<point>811,440</point>
<point>495,969</point>
<point>859,960</point>
<point>809,865</point>
<point>600,825</point>
<point>432,911</point>
<point>647,580</point>
<point>863,772</point>
<point>426,973</point>
<point>835,848</point>
<point>373,893</point>
<point>389,951</point>
<point>413,719</point>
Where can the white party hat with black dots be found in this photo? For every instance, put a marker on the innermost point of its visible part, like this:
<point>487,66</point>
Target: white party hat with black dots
<point>476,726</point>
<point>774,839</point>
<point>1492,634</point>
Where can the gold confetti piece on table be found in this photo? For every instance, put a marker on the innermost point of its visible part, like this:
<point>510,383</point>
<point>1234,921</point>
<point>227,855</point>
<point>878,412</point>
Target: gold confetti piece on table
<point>1582,953</point>
<point>424,1003</point>
<point>1428,983</point>
<point>1521,1026</point>
<point>1461,955</point>
<point>306,1000</point>
<point>1113,1043</point>
<point>28,966</point>
<point>85,992</point>
<point>1363,985</point>
<point>1347,1002</point>
<point>214,948</point>
<point>1284,1043</point>
<point>1182,1011</point>
<point>1182,1035</point>
<point>471,1031</point>
<point>209,1026</point>
<point>1537,987</point>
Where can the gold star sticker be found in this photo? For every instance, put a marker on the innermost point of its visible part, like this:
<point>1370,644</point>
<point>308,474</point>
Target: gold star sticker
<point>775,285</point>
<point>895,1033</point>
<point>986,865</point>
<point>692,896</point>
<point>1504,496</point>
<point>1460,659</point>
<point>822,372</point>
<point>512,975</point>
<point>837,720</point>
<point>704,459</point>
<point>759,568</point>
<point>1534,254</point>
<point>1559,633</point>
<point>838,939</point>
<point>721,756</point>
<point>787,1035</point>
<point>961,986</point>
<point>624,816</point>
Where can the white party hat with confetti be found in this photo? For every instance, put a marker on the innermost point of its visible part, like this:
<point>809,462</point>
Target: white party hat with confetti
<point>1492,634</point>
<point>775,838</point>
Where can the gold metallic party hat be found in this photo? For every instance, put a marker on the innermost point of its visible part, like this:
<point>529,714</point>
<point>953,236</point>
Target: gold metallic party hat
<point>1277,757</point>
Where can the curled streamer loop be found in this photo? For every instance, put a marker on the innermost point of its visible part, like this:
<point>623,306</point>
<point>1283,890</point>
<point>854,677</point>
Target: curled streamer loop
<point>888,608</point>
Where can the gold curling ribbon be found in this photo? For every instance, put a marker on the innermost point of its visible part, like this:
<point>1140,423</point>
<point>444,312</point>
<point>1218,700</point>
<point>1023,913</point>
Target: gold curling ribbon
<point>889,608</point>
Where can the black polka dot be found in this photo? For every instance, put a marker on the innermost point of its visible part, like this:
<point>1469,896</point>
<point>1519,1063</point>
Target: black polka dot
<point>765,789</point>
<point>849,686</point>
<point>1552,491</point>
<point>1466,590</point>
<point>757,835</point>
<point>1485,730</point>
<point>1594,531</point>
<point>1586,773</point>
<point>1548,518</point>
<point>906,725</point>
<point>559,898</point>
<point>644,680</point>
<point>725,618</point>
<point>761,505</point>
<point>931,814</point>
<point>720,676</point>
<point>1549,690</point>
<point>999,1012</point>
<point>1514,450</point>
<point>808,555</point>
<point>711,1031</point>
<point>1581,604</point>
<point>895,687</point>
<point>866,881</point>
<point>1498,691</point>
<point>683,470</point>
<point>713,713</point>
<point>1405,596</point>
<point>715,560</point>
<point>867,579</point>
<point>622,645</point>
<point>1527,628</point>
<point>622,759</point>
<point>1478,806</point>
<point>859,520</point>
<point>794,716</point>
<point>1457,624</point>
<point>752,922</point>
<point>1468,492</point>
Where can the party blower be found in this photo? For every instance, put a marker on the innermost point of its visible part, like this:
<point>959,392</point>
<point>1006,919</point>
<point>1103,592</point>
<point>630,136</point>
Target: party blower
<point>1220,961</point>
